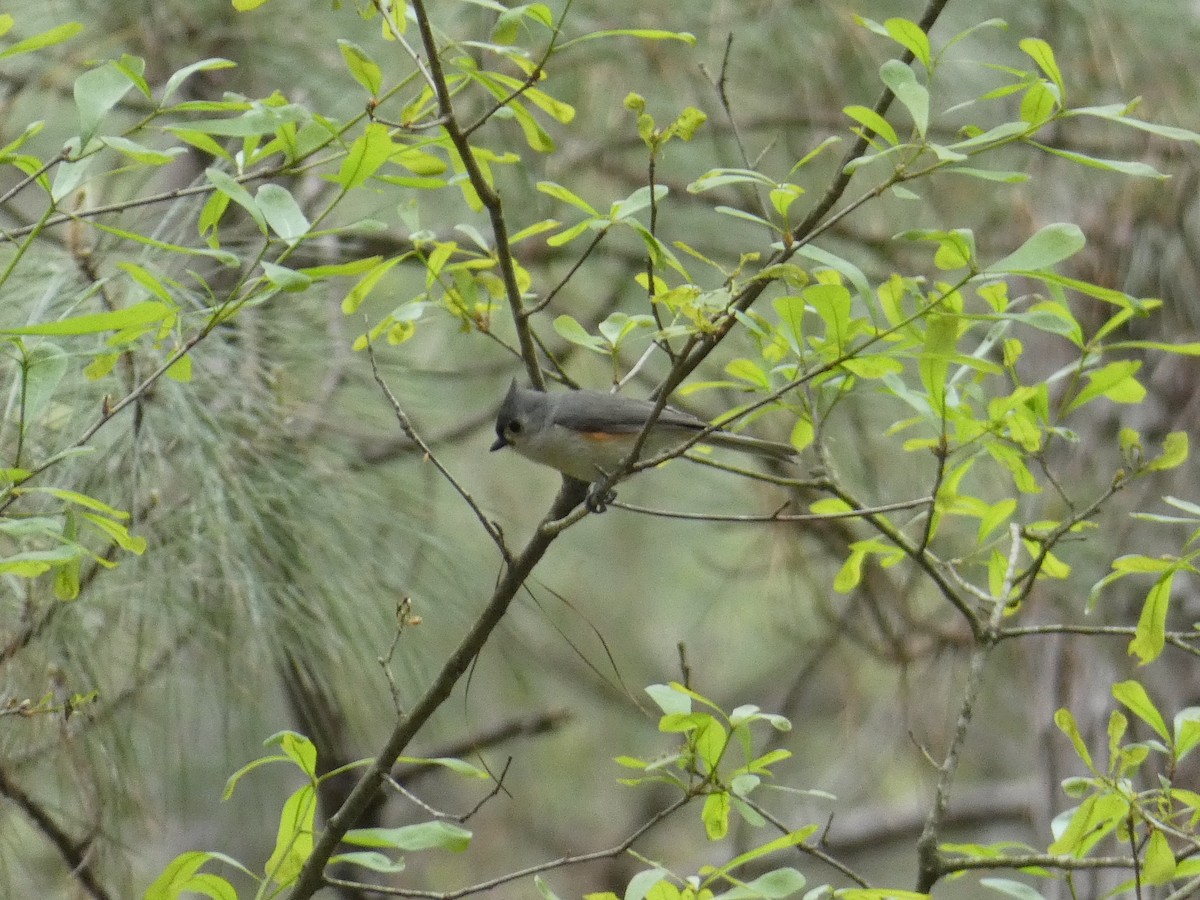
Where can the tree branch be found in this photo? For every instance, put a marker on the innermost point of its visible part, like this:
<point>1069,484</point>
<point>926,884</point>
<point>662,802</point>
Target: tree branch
<point>312,877</point>
<point>76,854</point>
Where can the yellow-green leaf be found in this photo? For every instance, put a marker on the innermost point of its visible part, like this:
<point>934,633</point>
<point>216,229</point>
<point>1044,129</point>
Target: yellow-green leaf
<point>137,315</point>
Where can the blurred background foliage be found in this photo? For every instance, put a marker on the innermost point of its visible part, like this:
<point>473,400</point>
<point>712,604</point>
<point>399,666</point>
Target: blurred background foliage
<point>287,516</point>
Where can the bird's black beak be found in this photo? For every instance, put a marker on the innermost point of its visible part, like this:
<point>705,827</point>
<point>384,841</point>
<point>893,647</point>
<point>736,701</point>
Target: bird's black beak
<point>500,443</point>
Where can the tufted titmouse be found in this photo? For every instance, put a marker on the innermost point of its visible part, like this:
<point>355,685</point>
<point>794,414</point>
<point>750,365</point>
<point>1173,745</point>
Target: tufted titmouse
<point>588,434</point>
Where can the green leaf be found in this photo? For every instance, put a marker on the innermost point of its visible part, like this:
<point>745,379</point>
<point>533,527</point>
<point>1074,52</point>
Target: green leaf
<point>989,175</point>
<point>1150,634</point>
<point>457,766</point>
<point>649,34</point>
<point>424,836</point>
<point>230,187</point>
<point>364,69</point>
<point>1042,54</point>
<point>1134,696</point>
<point>792,839</point>
<point>636,202</point>
<point>294,840</point>
<point>833,304</point>
<point>1011,888</point>
<point>255,121</point>
<point>137,315</point>
<point>370,150</point>
<point>285,279</point>
<point>1039,104</point>
<point>232,781</point>
<point>147,155</point>
<point>1050,245</point>
<point>1114,381</point>
<point>910,36</point>
<point>1187,731</point>
<point>1125,167</point>
<point>181,369</point>
<point>1089,823</point>
<point>773,885</point>
<point>1116,113</point>
<point>352,267</point>
<point>873,121</point>
<point>941,336</point>
<point>118,533</point>
<point>77,499</point>
<point>569,329</point>
<point>1158,866</point>
<point>749,371</point>
<point>55,35</point>
<point>558,192</point>
<point>204,65</point>
<point>903,83</point>
<point>179,875</point>
<point>1067,725</point>
<point>282,212</point>
<point>669,700</point>
<point>370,859</point>
<point>33,563</point>
<point>715,815</point>
<point>1175,453</point>
<point>42,371</point>
<point>297,748</point>
<point>96,92</point>
<point>366,284</point>
<point>850,574</point>
<point>715,178</point>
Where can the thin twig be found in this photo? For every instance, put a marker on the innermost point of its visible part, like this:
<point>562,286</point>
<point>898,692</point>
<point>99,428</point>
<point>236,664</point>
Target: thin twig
<point>699,348</point>
<point>809,849</point>
<point>438,814</point>
<point>540,723</point>
<point>776,516</point>
<point>492,529</point>
<point>312,877</point>
<point>931,862</point>
<point>549,865</point>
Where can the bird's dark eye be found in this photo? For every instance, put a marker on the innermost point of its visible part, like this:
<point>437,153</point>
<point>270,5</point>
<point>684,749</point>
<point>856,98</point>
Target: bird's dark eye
<point>514,427</point>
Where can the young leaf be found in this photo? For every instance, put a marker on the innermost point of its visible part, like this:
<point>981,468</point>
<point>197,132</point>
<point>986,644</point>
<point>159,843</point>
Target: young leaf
<point>903,83</point>
<point>1042,54</point>
<point>569,329</point>
<point>873,121</point>
<point>137,315</point>
<point>282,212</point>
<point>364,69</point>
<point>424,836</point>
<point>910,36</point>
<point>204,65</point>
<point>1134,696</point>
<point>1150,634</point>
<point>294,840</point>
<point>96,92</point>
<point>370,150</point>
<point>230,187</point>
<point>1050,245</point>
<point>49,38</point>
<point>715,815</point>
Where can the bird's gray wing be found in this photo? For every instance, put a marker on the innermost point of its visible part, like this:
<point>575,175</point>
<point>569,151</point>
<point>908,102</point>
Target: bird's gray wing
<point>612,412</point>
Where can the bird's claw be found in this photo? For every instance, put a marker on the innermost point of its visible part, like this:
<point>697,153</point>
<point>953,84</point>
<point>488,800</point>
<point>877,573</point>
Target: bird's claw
<point>599,495</point>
